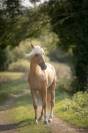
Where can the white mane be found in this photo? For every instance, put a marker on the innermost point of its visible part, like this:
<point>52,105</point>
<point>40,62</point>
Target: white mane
<point>36,50</point>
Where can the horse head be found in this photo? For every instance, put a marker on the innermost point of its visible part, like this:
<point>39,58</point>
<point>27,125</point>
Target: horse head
<point>37,56</point>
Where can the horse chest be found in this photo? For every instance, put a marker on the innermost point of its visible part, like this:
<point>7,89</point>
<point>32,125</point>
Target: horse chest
<point>37,81</point>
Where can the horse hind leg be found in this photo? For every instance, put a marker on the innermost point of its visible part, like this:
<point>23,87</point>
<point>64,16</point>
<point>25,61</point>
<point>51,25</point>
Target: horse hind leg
<point>52,102</point>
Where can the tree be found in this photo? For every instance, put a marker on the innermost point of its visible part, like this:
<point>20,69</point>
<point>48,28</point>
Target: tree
<point>12,7</point>
<point>69,20</point>
<point>15,27</point>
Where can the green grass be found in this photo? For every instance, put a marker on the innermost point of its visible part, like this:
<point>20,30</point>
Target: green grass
<point>7,76</point>
<point>10,83</point>
<point>11,88</point>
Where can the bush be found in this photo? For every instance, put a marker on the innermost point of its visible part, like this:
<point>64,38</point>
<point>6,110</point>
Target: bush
<point>20,66</point>
<point>78,103</point>
<point>75,110</point>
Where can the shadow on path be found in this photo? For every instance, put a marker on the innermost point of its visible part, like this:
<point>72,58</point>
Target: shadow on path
<point>10,126</point>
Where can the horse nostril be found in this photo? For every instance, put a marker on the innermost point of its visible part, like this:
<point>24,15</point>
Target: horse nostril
<point>43,66</point>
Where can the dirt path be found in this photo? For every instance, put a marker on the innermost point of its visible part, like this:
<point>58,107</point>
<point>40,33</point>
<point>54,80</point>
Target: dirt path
<point>5,126</point>
<point>57,126</point>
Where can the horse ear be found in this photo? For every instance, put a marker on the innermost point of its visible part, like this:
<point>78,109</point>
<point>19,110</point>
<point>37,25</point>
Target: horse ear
<point>32,46</point>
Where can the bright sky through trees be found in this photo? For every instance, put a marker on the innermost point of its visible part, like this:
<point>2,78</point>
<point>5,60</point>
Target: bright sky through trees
<point>27,3</point>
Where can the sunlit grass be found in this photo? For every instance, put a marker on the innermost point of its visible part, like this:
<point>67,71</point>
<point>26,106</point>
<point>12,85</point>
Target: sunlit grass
<point>6,76</point>
<point>13,87</point>
<point>10,83</point>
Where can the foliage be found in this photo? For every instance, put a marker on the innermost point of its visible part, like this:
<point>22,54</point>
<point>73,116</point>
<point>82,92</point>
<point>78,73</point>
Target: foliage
<point>17,53</point>
<point>69,20</point>
<point>9,11</point>
<point>2,59</point>
<point>15,57</point>
<point>12,8</point>
<point>74,109</point>
<point>19,66</point>
<point>65,76</point>
<point>22,29</point>
<point>34,2</point>
<point>8,76</point>
<point>20,26</point>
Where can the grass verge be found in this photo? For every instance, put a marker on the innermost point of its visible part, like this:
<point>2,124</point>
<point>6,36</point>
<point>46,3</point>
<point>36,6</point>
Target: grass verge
<point>73,109</point>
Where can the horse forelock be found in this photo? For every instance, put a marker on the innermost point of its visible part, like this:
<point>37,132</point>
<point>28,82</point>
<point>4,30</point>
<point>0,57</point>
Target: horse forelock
<point>38,50</point>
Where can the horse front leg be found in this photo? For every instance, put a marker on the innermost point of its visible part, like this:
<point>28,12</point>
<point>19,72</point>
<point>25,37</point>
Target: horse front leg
<point>35,105</point>
<point>41,115</point>
<point>42,111</point>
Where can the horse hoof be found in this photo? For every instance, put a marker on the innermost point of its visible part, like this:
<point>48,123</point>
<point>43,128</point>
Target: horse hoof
<point>46,121</point>
<point>36,121</point>
<point>50,120</point>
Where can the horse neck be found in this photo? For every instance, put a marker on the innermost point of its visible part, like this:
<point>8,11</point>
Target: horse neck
<point>34,68</point>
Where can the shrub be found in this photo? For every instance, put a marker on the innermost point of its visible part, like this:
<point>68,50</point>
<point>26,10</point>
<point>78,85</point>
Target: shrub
<point>78,103</point>
<point>19,65</point>
<point>75,109</point>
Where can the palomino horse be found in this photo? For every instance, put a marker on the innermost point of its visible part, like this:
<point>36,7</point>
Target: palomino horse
<point>42,79</point>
